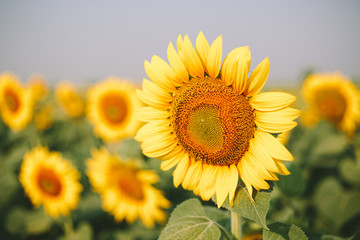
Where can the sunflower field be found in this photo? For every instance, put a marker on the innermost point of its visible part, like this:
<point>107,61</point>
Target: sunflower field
<point>204,149</point>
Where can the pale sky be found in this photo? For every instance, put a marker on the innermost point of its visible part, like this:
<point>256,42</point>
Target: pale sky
<point>87,41</point>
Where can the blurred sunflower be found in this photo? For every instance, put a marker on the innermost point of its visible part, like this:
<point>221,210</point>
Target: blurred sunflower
<point>111,109</point>
<point>213,125</point>
<point>44,118</point>
<point>38,86</point>
<point>69,99</point>
<point>334,98</point>
<point>16,102</point>
<point>125,189</point>
<point>50,180</point>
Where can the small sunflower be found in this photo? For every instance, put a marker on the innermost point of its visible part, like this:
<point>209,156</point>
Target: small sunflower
<point>69,99</point>
<point>111,109</point>
<point>125,189</point>
<point>213,124</point>
<point>50,180</point>
<point>16,102</point>
<point>44,118</point>
<point>334,98</point>
<point>38,86</point>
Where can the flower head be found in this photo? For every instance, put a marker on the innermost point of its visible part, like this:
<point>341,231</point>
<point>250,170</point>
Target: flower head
<point>16,102</point>
<point>69,99</point>
<point>334,98</point>
<point>125,189</point>
<point>38,86</point>
<point>214,125</point>
<point>51,181</point>
<point>111,106</point>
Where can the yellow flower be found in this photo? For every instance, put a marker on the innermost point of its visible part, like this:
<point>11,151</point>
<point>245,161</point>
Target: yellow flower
<point>50,180</point>
<point>125,189</point>
<point>111,109</point>
<point>38,86</point>
<point>44,118</point>
<point>334,98</point>
<point>16,102</point>
<point>213,125</point>
<point>69,99</point>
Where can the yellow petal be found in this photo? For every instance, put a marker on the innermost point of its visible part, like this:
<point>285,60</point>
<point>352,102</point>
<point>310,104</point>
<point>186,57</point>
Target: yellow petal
<point>180,170</point>
<point>258,78</point>
<point>207,182</point>
<point>253,175</point>
<point>159,73</point>
<point>282,168</point>
<point>168,164</point>
<point>244,179</point>
<point>271,101</point>
<point>262,156</point>
<point>190,58</point>
<point>214,58</point>
<point>279,125</point>
<point>162,140</point>
<point>153,128</point>
<point>236,67</point>
<point>234,178</point>
<point>147,114</point>
<point>192,177</point>
<point>261,169</point>
<point>177,64</point>
<point>163,147</point>
<point>222,185</point>
<point>202,48</point>
<point>154,95</point>
<point>273,146</point>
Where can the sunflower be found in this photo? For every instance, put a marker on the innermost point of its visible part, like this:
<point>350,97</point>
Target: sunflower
<point>50,180</point>
<point>125,189</point>
<point>111,109</point>
<point>69,99</point>
<point>334,98</point>
<point>38,85</point>
<point>213,125</point>
<point>16,102</point>
<point>44,118</point>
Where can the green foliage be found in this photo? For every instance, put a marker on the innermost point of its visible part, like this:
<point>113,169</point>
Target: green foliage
<point>253,209</point>
<point>189,220</point>
<point>279,231</point>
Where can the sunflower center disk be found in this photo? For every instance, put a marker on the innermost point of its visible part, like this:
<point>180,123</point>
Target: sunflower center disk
<point>331,105</point>
<point>49,183</point>
<point>114,108</point>
<point>12,100</point>
<point>128,183</point>
<point>212,121</point>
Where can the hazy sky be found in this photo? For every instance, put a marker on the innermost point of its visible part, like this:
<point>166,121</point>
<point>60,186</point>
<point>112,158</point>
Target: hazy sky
<point>86,41</point>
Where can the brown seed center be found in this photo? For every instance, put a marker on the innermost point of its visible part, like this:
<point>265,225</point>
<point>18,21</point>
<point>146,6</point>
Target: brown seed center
<point>49,182</point>
<point>331,104</point>
<point>127,182</point>
<point>114,108</point>
<point>12,100</point>
<point>212,121</point>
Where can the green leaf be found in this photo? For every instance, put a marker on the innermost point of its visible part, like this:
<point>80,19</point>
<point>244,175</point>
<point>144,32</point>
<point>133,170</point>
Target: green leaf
<point>335,204</point>
<point>189,221</point>
<point>280,231</point>
<point>256,209</point>
<point>37,222</point>
<point>293,184</point>
<point>83,232</point>
<point>350,171</point>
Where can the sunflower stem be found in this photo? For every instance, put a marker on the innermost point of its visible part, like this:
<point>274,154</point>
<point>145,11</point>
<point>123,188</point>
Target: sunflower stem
<point>236,225</point>
<point>68,226</point>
